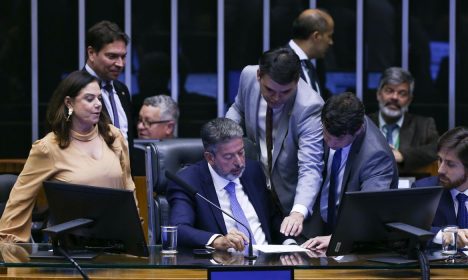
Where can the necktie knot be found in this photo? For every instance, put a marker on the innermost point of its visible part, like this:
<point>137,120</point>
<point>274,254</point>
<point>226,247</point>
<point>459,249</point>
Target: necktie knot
<point>461,197</point>
<point>108,87</point>
<point>230,188</point>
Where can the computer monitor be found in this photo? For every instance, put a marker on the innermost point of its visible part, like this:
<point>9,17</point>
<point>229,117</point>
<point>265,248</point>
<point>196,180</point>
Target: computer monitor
<point>114,215</point>
<point>364,216</point>
<point>250,273</point>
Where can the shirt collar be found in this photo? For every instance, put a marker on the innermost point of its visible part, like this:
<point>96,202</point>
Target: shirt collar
<point>382,121</point>
<point>302,55</point>
<point>218,181</point>
<point>454,192</point>
<point>93,73</point>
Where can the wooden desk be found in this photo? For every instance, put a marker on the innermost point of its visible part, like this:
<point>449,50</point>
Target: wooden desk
<point>165,274</point>
<point>185,266</point>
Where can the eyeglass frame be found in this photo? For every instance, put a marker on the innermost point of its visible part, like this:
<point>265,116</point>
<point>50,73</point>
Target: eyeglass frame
<point>148,124</point>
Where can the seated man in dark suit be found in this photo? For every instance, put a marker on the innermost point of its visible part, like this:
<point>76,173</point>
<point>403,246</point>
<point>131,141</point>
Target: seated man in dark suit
<point>452,151</point>
<point>413,138</point>
<point>357,158</point>
<point>230,181</point>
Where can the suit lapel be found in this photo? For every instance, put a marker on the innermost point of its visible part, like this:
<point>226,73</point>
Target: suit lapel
<point>210,193</point>
<point>406,132</point>
<point>254,107</point>
<point>352,156</point>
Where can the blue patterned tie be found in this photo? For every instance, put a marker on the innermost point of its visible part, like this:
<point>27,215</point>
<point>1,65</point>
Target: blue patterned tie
<point>110,89</point>
<point>389,135</point>
<point>462,216</point>
<point>237,211</point>
<point>335,171</point>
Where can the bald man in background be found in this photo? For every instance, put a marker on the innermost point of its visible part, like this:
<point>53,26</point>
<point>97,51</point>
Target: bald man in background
<point>312,35</point>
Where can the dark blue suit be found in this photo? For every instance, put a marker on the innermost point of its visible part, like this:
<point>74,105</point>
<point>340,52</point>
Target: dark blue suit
<point>445,214</point>
<point>197,221</point>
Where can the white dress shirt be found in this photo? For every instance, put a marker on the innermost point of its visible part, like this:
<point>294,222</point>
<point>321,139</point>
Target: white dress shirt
<point>225,204</point>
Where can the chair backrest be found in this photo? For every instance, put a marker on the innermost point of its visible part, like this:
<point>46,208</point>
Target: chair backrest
<point>6,184</point>
<point>172,155</point>
<point>175,154</point>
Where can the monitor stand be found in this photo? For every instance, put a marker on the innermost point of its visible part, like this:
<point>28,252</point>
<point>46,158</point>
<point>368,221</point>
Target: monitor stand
<point>400,259</point>
<point>59,248</point>
<point>77,255</point>
<point>418,239</point>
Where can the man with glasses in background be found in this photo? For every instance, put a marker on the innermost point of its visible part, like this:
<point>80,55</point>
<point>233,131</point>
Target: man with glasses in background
<point>158,118</point>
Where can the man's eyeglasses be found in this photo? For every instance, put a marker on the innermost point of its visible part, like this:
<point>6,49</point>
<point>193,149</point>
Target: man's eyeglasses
<point>148,124</point>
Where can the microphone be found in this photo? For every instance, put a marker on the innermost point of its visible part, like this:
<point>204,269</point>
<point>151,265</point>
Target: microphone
<point>176,179</point>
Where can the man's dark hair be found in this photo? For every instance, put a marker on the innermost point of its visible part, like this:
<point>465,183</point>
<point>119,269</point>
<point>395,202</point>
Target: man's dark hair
<point>343,114</point>
<point>456,140</point>
<point>103,33</point>
<point>282,65</point>
<point>304,25</point>
<point>218,131</point>
<point>396,76</point>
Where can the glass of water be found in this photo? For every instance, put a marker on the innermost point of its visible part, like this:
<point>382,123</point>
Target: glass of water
<point>169,239</point>
<point>449,241</point>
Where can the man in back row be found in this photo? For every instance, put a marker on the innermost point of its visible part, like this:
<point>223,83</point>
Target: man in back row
<point>158,118</point>
<point>312,36</point>
<point>281,115</point>
<point>106,50</point>
<point>413,138</point>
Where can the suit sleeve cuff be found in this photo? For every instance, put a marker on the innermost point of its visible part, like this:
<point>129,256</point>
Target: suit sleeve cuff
<point>210,241</point>
<point>301,209</point>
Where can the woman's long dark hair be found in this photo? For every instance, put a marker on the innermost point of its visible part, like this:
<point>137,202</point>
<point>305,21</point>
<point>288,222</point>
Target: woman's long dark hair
<point>57,112</point>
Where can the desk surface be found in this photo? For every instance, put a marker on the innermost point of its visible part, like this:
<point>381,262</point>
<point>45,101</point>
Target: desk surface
<point>17,264</point>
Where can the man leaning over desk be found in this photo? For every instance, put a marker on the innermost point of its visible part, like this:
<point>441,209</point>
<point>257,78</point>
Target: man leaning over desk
<point>233,183</point>
<point>357,158</point>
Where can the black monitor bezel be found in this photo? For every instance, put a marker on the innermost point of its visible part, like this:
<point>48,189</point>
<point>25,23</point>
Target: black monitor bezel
<point>113,211</point>
<point>359,221</point>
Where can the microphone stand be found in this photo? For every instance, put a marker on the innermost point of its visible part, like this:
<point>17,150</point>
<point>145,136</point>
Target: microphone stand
<point>193,191</point>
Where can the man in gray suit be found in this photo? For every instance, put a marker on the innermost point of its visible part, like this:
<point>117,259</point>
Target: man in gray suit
<point>357,158</point>
<point>281,115</point>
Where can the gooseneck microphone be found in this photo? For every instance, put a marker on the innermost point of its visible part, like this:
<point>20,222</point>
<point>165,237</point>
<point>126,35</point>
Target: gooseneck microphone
<point>176,179</point>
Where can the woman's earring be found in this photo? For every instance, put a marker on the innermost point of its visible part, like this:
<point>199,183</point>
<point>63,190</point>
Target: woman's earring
<point>70,112</point>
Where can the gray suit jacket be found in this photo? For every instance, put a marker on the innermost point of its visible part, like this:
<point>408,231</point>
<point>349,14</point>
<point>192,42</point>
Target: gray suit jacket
<point>370,167</point>
<point>297,158</point>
